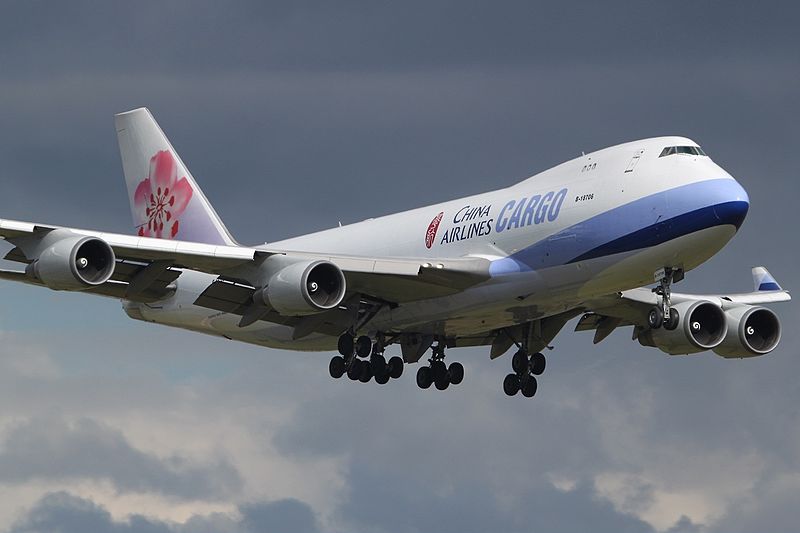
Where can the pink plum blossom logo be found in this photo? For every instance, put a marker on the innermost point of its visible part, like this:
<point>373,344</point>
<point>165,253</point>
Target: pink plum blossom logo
<point>161,198</point>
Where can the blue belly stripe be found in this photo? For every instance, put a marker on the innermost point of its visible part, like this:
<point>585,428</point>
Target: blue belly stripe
<point>729,213</point>
<point>645,222</point>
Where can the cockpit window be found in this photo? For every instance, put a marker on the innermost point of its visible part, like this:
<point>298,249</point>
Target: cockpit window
<point>688,150</point>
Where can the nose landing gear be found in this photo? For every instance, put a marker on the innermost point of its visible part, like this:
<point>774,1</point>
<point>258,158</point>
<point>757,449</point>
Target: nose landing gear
<point>663,314</point>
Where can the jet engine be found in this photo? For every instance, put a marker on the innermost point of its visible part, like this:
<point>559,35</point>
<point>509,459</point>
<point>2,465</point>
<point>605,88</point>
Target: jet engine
<point>752,331</point>
<point>74,264</point>
<point>701,326</point>
<point>304,288</point>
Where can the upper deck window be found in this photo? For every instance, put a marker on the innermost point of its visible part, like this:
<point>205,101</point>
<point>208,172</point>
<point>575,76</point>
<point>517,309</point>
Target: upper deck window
<point>688,150</point>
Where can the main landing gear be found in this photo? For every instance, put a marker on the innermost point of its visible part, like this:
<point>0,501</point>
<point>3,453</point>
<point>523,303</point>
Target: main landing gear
<point>362,359</point>
<point>438,373</point>
<point>663,314</point>
<point>526,367</point>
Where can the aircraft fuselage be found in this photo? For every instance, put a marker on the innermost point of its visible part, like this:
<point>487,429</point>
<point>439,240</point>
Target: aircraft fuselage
<point>595,225</point>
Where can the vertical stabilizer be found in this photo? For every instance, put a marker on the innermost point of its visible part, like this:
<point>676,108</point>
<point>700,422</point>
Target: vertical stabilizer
<point>166,202</point>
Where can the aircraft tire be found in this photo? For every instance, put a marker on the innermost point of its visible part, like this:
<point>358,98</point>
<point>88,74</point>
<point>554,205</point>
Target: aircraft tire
<point>395,367</point>
<point>674,319</point>
<point>366,372</point>
<point>382,379</point>
<point>442,384</point>
<point>346,345</point>
<point>511,384</point>
<point>529,387</point>
<point>655,318</point>
<point>538,364</point>
<point>424,377</point>
<point>439,370</point>
<point>456,371</point>
<point>337,367</point>
<point>363,346</point>
<point>354,372</point>
<point>378,363</point>
<point>519,363</point>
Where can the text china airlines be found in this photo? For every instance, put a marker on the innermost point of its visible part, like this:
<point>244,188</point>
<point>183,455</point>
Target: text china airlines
<point>476,221</point>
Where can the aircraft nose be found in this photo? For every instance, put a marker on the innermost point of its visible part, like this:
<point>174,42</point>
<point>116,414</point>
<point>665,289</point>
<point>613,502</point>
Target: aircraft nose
<point>731,203</point>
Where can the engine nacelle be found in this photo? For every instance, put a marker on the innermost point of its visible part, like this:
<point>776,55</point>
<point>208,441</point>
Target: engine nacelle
<point>304,288</point>
<point>701,326</point>
<point>74,264</point>
<point>752,331</point>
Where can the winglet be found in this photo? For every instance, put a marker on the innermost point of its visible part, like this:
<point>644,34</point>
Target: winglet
<point>763,280</point>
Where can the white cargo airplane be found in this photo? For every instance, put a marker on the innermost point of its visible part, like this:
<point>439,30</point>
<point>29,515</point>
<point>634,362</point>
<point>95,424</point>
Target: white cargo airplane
<point>506,268</point>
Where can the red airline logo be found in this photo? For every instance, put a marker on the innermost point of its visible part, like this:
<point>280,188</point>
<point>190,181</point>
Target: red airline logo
<point>430,235</point>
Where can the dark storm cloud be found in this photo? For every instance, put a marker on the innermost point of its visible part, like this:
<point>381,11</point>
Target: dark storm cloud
<point>62,512</point>
<point>207,38</point>
<point>51,449</point>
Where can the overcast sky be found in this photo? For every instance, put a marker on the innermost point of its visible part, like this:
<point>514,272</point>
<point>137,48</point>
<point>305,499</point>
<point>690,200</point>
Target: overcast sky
<point>295,118</point>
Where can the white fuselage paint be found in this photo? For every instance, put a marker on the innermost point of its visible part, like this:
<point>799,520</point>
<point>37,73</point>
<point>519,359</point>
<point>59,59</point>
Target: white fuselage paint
<point>595,183</point>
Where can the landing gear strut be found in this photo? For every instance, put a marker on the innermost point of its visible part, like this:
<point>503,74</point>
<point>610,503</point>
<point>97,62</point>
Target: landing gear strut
<point>438,373</point>
<point>353,360</point>
<point>663,314</point>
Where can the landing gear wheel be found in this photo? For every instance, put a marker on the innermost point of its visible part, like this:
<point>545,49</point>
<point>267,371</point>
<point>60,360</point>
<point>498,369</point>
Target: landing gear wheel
<point>424,377</point>
<point>439,371</point>
<point>442,384</point>
<point>456,371</point>
<point>672,322</point>
<point>538,364</point>
<point>346,345</point>
<point>655,318</point>
<point>366,372</point>
<point>354,372</point>
<point>529,387</point>
<point>382,379</point>
<point>337,367</point>
<point>511,384</point>
<point>363,346</point>
<point>378,363</point>
<point>395,367</point>
<point>520,362</point>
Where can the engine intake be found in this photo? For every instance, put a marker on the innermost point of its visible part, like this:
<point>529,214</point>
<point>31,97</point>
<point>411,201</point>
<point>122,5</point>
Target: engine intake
<point>74,264</point>
<point>752,331</point>
<point>305,288</point>
<point>701,326</point>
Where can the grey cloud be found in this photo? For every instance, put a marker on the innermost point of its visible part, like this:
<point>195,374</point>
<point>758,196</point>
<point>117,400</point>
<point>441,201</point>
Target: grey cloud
<point>284,515</point>
<point>202,38</point>
<point>62,512</point>
<point>52,449</point>
<point>444,502</point>
<point>685,525</point>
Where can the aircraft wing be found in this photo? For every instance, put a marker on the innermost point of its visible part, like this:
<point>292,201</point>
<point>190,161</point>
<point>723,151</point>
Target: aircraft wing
<point>630,307</point>
<point>146,266</point>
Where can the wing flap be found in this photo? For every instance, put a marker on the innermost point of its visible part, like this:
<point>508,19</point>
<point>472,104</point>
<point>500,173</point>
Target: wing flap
<point>111,289</point>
